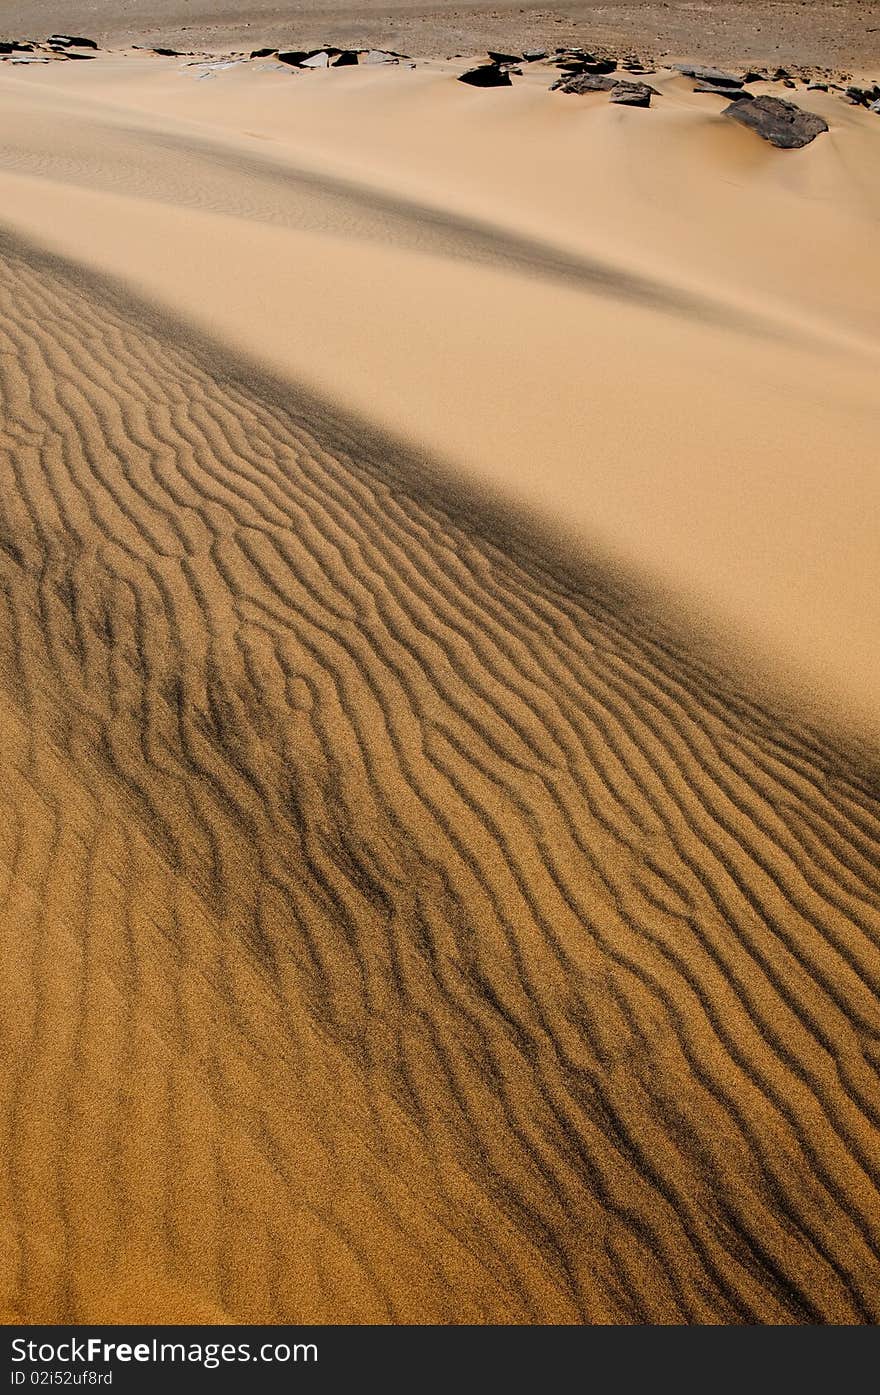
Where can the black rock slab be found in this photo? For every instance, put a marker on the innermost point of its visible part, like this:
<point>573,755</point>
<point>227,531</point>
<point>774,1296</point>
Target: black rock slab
<point>263,52</point>
<point>346,58</point>
<point>487,75</point>
<point>702,74</point>
<point>69,41</point>
<point>716,90</point>
<point>781,123</point>
<point>584,82</point>
<point>631,94</point>
<point>504,57</point>
<point>532,55</point>
<point>294,57</point>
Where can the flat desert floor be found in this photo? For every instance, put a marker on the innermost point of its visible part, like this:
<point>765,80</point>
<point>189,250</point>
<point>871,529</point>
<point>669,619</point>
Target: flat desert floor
<point>439,693</point>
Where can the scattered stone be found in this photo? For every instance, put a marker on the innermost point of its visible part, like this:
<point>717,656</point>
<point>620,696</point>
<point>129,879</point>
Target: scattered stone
<point>632,94</point>
<point>701,74</point>
<point>781,123</point>
<point>487,75</point>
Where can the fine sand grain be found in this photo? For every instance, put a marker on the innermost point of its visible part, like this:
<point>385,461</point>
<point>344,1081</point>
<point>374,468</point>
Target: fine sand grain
<point>438,632</point>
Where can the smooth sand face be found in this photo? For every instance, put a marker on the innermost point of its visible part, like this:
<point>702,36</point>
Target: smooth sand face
<point>403,919</point>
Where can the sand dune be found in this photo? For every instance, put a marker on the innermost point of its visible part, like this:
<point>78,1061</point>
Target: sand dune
<point>406,915</point>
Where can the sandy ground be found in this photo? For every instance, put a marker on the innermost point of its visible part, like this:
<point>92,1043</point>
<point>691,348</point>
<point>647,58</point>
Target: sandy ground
<point>826,33</point>
<point>478,940</point>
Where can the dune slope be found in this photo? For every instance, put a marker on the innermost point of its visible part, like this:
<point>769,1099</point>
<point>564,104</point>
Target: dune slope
<point>396,926</point>
<point>404,915</point>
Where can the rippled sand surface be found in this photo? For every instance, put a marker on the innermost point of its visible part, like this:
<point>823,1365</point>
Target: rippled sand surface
<point>407,913</point>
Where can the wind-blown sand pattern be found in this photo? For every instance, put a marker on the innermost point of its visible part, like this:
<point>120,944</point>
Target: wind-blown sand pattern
<point>403,920</point>
<point>393,922</point>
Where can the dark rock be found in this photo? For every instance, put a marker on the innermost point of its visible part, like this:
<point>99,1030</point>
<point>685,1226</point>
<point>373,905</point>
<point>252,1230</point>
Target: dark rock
<point>875,107</point>
<point>487,75</point>
<point>293,56</point>
<point>788,82</point>
<point>346,58</point>
<point>781,74</point>
<point>264,53</point>
<point>600,66</point>
<point>532,55</point>
<point>167,52</point>
<point>754,76</point>
<point>781,123</point>
<point>70,42</point>
<point>632,94</point>
<point>716,90</point>
<point>862,96</point>
<point>584,82</point>
<point>817,87</point>
<point>702,74</point>
<point>16,46</point>
<point>503,57</point>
